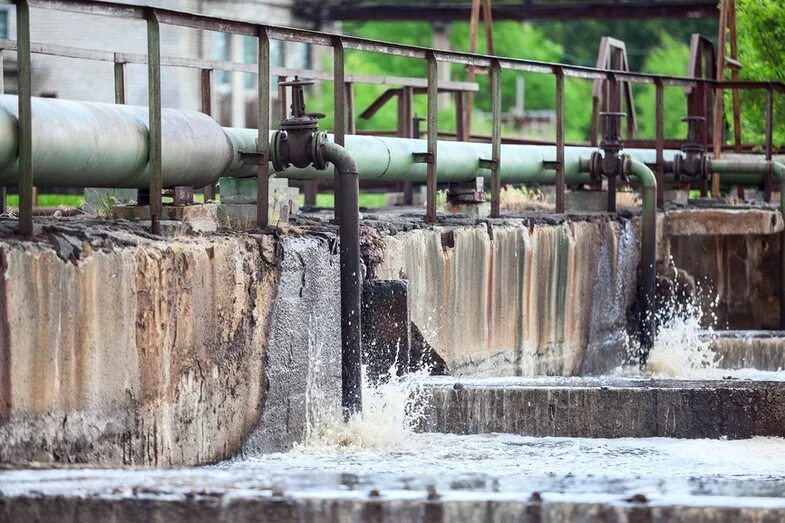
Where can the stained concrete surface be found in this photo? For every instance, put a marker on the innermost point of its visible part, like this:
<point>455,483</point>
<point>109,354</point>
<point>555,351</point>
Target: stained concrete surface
<point>120,348</point>
<point>519,297</point>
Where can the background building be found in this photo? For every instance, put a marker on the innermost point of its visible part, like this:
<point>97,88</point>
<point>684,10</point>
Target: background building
<point>234,93</point>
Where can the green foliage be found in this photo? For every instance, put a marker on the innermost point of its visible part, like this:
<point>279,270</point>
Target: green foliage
<point>761,38</point>
<point>670,58</point>
<point>50,200</point>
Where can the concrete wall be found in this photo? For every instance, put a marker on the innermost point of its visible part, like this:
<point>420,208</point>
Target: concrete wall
<point>156,353</point>
<point>732,255</point>
<point>518,298</point>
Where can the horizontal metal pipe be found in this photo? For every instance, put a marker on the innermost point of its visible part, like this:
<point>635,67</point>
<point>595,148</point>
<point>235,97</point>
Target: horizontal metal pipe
<point>382,158</point>
<point>83,144</point>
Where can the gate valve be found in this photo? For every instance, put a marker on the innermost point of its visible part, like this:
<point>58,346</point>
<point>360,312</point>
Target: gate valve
<point>692,162</point>
<point>608,163</point>
<point>297,141</point>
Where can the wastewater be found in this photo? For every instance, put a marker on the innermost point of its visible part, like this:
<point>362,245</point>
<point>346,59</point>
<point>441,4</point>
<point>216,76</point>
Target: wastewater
<point>381,450</point>
<point>381,453</point>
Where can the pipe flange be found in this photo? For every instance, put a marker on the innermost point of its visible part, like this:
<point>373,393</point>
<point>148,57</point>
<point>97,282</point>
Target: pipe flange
<point>677,167</point>
<point>317,150</point>
<point>278,158</point>
<point>595,167</point>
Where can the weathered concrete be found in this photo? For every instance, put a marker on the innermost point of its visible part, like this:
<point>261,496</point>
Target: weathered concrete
<point>723,221</point>
<point>516,297</point>
<point>607,408</point>
<point>304,345</point>
<point>738,277</point>
<point>138,352</point>
<point>762,350</point>
<point>208,506</point>
<point>119,348</point>
<point>196,218</point>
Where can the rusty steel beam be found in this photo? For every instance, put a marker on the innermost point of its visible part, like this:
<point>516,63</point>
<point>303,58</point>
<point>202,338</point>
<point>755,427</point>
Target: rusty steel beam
<point>530,10</point>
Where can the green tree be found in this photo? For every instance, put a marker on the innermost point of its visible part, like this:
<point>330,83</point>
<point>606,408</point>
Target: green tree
<point>761,38</point>
<point>670,58</point>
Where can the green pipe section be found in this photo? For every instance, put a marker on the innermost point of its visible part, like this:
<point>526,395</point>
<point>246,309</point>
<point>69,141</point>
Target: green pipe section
<point>382,158</point>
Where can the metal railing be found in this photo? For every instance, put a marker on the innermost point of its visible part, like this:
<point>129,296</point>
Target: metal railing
<point>155,16</point>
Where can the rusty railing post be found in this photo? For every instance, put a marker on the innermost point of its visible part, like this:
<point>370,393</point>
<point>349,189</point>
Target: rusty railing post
<point>339,112</point>
<point>24,60</point>
<point>263,127</point>
<point>496,136</point>
<point>3,190</point>
<point>119,82</point>
<point>433,115</point>
<point>559,73</point>
<point>659,100</point>
<point>154,105</point>
<point>351,120</point>
<point>769,140</point>
<point>207,108</point>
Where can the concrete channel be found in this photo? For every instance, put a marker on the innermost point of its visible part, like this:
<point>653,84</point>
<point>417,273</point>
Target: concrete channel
<point>212,349</point>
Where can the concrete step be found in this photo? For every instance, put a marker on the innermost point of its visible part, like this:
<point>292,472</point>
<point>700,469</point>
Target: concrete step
<point>606,407</point>
<point>761,350</point>
<point>277,496</point>
<point>206,507</point>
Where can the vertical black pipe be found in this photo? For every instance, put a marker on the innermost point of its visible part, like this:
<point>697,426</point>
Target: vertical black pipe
<point>351,277</point>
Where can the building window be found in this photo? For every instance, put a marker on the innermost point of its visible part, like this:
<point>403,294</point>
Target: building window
<point>221,51</point>
<point>4,33</point>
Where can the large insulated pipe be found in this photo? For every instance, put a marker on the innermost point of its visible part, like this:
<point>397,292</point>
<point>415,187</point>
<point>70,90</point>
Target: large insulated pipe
<point>752,168</point>
<point>82,144</point>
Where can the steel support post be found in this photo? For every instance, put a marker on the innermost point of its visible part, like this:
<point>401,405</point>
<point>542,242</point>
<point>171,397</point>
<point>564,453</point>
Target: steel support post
<point>659,100</point>
<point>207,108</point>
<point>433,116</point>
<point>496,136</point>
<point>339,113</point>
<point>24,64</point>
<point>154,105</point>
<point>351,120</point>
<point>119,82</point>
<point>263,126</point>
<point>408,94</point>
<point>460,120</point>
<point>615,105</point>
<point>559,73</point>
<point>769,131</point>
<point>3,191</point>
<point>282,102</point>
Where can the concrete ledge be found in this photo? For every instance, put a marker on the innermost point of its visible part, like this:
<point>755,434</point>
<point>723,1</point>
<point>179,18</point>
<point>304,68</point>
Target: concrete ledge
<point>761,350</point>
<point>209,506</point>
<point>607,408</point>
<point>199,217</point>
<point>723,221</point>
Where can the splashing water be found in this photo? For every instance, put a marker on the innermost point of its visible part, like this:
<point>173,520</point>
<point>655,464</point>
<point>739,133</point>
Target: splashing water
<point>683,345</point>
<point>392,408</point>
<point>682,348</point>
